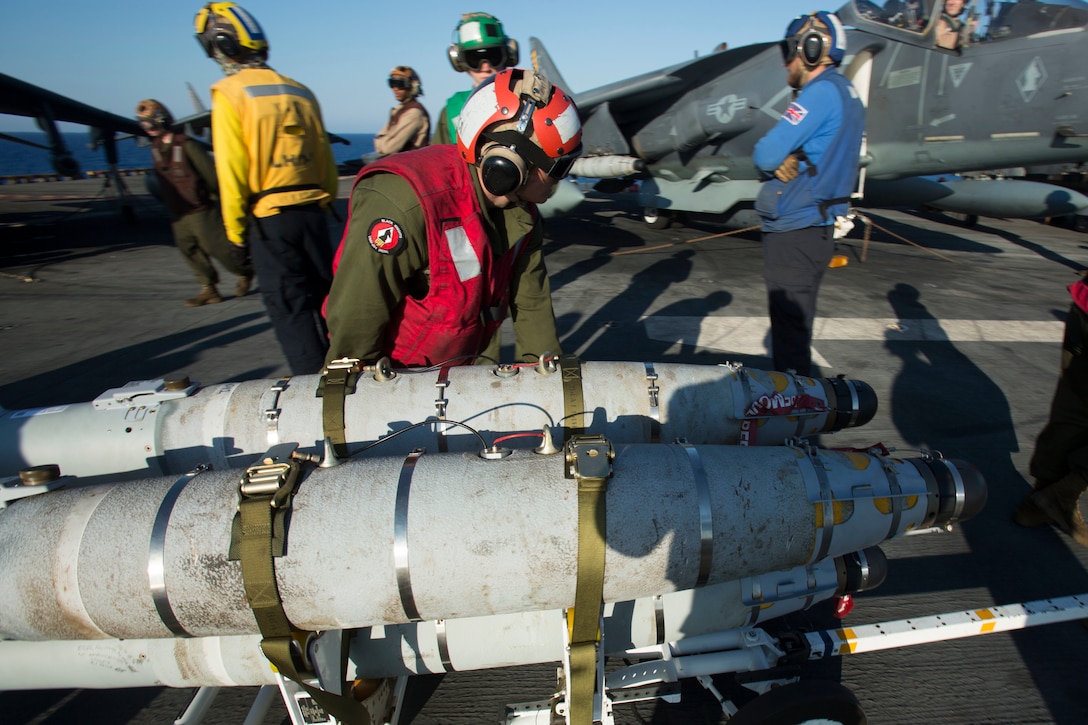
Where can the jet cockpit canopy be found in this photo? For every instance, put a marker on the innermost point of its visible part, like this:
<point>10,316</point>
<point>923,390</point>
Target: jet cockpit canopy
<point>923,22</point>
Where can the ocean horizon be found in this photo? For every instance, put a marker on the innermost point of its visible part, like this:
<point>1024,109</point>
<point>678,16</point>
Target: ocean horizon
<point>17,159</point>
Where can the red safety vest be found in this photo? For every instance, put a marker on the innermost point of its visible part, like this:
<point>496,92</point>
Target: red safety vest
<point>469,286</point>
<point>1079,291</point>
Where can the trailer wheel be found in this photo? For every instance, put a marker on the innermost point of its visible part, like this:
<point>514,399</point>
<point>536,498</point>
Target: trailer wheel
<point>807,701</point>
<point>656,218</point>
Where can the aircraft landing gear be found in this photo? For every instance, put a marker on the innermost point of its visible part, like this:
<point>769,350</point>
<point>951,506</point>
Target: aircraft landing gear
<point>805,701</point>
<point>656,218</point>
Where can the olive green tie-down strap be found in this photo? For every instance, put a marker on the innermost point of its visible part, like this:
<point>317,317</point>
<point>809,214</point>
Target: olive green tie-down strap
<point>574,406</point>
<point>265,492</point>
<point>589,461</point>
<point>337,382</point>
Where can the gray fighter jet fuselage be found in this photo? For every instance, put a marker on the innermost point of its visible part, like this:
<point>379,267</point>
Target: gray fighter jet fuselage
<point>1012,93</point>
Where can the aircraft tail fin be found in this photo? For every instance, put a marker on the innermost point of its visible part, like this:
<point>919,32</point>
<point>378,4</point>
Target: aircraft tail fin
<point>198,105</point>
<point>542,63</point>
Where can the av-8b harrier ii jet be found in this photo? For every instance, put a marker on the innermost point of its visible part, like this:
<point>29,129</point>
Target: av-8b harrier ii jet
<point>1009,92</point>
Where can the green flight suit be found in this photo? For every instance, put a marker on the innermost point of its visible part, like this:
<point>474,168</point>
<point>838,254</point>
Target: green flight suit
<point>368,285</point>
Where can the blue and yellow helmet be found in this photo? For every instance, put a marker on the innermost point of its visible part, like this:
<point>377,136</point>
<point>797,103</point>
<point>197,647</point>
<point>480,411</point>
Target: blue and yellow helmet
<point>229,29</point>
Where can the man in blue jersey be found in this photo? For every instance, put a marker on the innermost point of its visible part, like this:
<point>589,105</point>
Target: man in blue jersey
<point>810,159</point>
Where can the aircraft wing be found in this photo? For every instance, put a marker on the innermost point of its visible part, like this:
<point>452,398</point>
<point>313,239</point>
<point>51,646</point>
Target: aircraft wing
<point>19,98</point>
<point>604,110</point>
<point>638,91</point>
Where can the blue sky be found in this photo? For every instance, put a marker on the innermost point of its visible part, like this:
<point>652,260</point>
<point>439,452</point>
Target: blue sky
<point>111,54</point>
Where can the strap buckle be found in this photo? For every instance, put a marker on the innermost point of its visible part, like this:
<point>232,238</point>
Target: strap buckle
<point>351,364</point>
<point>589,456</point>
<point>274,476</point>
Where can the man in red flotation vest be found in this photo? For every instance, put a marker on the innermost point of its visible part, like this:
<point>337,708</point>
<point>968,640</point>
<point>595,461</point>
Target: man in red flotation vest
<point>443,241</point>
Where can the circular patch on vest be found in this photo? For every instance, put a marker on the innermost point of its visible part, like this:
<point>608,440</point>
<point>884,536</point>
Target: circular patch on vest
<point>385,236</point>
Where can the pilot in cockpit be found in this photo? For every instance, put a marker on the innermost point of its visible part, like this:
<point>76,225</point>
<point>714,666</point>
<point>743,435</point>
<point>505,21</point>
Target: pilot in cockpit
<point>953,25</point>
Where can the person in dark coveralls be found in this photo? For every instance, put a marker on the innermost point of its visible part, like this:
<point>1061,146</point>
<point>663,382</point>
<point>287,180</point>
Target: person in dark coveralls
<point>440,242</point>
<point>811,160</point>
<point>186,185</point>
<point>409,125</point>
<point>277,177</point>
<point>1060,461</point>
<point>481,49</point>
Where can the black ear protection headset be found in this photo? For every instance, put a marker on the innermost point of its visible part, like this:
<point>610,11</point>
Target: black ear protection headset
<point>218,36</point>
<point>814,47</point>
<point>226,43</point>
<point>811,43</point>
<point>504,166</point>
<point>502,169</point>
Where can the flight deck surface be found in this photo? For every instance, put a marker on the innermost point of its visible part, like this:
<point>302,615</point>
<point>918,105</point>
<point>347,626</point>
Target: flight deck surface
<point>957,329</point>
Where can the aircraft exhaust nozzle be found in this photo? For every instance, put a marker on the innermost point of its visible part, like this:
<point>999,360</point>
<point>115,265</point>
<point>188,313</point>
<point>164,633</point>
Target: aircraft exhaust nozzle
<point>470,643</point>
<point>429,536</point>
<point>164,427</point>
<point>607,167</point>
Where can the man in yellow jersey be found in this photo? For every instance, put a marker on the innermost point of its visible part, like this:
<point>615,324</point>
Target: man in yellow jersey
<point>481,49</point>
<point>277,177</point>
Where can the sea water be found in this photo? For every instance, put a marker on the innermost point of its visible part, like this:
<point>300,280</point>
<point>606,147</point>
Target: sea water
<point>17,159</point>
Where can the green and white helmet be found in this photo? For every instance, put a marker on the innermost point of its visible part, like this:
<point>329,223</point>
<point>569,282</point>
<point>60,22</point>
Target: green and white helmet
<point>479,37</point>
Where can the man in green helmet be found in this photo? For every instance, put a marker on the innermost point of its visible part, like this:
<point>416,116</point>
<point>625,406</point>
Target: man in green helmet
<point>481,49</point>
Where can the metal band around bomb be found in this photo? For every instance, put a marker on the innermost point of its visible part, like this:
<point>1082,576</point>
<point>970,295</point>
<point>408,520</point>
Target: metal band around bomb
<point>798,391</point>
<point>400,536</point>
<point>896,491</point>
<point>957,480</point>
<point>820,494</point>
<point>440,404</point>
<point>443,645</point>
<point>653,392</point>
<point>855,402</point>
<point>271,413</point>
<point>751,598</point>
<point>706,516</point>
<point>659,618</point>
<point>156,562</point>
